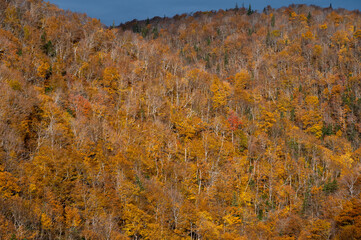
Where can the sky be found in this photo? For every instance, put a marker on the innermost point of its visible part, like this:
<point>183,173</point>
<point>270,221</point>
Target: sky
<point>121,11</point>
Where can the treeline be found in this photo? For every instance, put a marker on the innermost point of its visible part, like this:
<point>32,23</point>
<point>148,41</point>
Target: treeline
<point>218,125</point>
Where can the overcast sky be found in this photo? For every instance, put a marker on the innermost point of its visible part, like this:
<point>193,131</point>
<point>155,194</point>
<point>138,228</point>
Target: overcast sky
<point>120,11</point>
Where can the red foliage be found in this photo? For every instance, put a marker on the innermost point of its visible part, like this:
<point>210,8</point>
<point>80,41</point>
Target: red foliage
<point>234,121</point>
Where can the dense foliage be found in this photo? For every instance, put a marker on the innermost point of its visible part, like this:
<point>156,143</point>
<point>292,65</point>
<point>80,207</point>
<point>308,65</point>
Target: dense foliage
<point>216,125</point>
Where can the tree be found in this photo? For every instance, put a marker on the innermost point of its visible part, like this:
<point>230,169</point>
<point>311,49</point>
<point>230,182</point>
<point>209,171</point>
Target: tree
<point>221,92</point>
<point>349,220</point>
<point>8,185</point>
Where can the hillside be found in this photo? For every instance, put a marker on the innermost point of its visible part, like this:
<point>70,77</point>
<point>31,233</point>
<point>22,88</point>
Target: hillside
<point>215,125</point>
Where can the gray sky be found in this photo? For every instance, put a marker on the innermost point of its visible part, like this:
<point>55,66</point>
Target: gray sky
<point>126,10</point>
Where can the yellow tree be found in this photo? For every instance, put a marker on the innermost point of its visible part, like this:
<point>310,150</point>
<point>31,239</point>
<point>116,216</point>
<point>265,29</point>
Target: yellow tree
<point>221,92</point>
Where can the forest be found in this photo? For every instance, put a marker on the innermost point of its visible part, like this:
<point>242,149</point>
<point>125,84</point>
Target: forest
<point>230,124</point>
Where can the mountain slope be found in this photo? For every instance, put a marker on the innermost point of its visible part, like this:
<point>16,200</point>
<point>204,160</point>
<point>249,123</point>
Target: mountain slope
<point>217,125</point>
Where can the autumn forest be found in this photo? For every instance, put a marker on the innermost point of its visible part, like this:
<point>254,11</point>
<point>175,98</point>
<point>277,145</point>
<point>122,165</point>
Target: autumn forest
<point>228,124</point>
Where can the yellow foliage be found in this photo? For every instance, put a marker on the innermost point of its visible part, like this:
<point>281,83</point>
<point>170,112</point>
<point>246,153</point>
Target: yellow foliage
<point>84,67</point>
<point>318,230</point>
<point>323,26</point>
<point>317,50</point>
<point>268,119</point>
<point>11,16</point>
<point>136,221</point>
<point>293,15</point>
<point>357,34</point>
<point>308,35</point>
<point>336,18</point>
<point>312,101</point>
<point>221,92</point>
<point>15,85</point>
<point>303,17</point>
<point>245,198</point>
<point>32,187</point>
<point>316,129</point>
<point>8,185</point>
<point>340,38</point>
<point>276,33</point>
<point>189,127</point>
<point>229,219</point>
<point>207,227</point>
<point>72,217</point>
<point>241,80</point>
<point>110,79</point>
<point>43,69</point>
<point>133,142</point>
<point>46,221</point>
<point>110,74</point>
<point>26,32</point>
<point>346,160</point>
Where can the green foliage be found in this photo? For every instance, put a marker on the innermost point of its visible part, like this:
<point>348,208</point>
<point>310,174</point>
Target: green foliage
<point>260,214</point>
<point>250,11</point>
<point>19,52</point>
<point>327,130</point>
<point>208,41</point>
<point>306,202</point>
<point>353,135</point>
<point>145,32</point>
<point>226,58</point>
<point>155,33</point>
<point>47,47</point>
<point>236,7</point>
<point>243,141</point>
<point>139,183</point>
<point>48,89</point>
<point>273,21</point>
<point>309,17</point>
<point>268,39</point>
<point>15,85</point>
<point>136,28</point>
<point>330,186</point>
